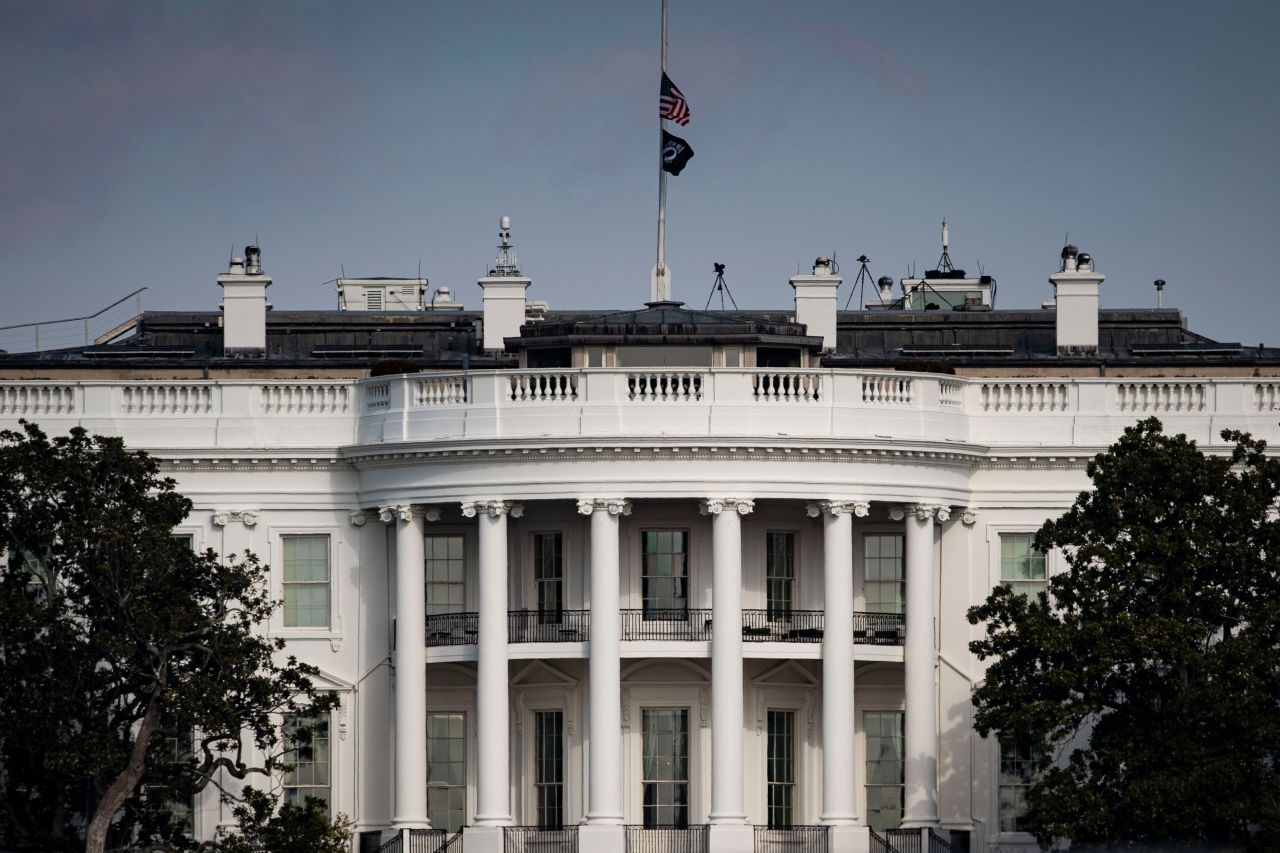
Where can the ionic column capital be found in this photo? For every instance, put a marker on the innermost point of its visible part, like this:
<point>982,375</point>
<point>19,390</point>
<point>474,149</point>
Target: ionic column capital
<point>969,516</point>
<point>853,507</point>
<point>922,511</point>
<point>492,508</point>
<point>613,506</point>
<point>247,517</point>
<point>715,506</point>
<point>407,512</point>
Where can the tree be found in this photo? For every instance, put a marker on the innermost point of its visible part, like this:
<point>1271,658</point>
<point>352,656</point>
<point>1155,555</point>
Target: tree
<point>289,829</point>
<point>1149,676</point>
<point>111,629</point>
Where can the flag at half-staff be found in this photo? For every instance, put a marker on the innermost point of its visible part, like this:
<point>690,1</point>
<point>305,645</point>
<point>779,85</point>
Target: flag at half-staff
<point>675,153</point>
<point>671,102</point>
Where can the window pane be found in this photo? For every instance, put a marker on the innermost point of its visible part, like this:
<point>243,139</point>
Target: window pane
<point>446,770</point>
<point>306,580</point>
<point>781,768</point>
<point>884,587</point>
<point>1021,566</point>
<point>665,740</point>
<point>1018,760</point>
<point>664,573</point>
<point>885,752</point>
<point>445,574</point>
<point>549,768</point>
<point>307,743</point>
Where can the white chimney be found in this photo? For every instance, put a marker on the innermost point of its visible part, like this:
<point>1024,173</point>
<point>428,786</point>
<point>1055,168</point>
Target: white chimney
<point>503,292</point>
<point>1075,296</point>
<point>244,306</point>
<point>816,298</point>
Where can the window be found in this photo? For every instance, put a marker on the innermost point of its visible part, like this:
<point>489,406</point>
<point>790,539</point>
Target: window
<point>665,574</point>
<point>39,579</point>
<point>885,587</point>
<point>1018,759</point>
<point>445,575</point>
<point>306,581</point>
<point>666,767</point>
<point>548,576</point>
<point>595,357</point>
<point>780,573</point>
<point>307,742</point>
<point>1021,566</point>
<point>548,780</point>
<point>446,770</point>
<point>733,356</point>
<point>174,747</point>
<point>885,780</point>
<point>781,768</point>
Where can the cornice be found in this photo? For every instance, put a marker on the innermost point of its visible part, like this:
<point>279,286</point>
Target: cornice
<point>240,463</point>
<point>753,451</point>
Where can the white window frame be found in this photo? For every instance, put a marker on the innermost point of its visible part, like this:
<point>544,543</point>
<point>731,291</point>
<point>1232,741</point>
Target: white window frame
<point>275,539</point>
<point>800,701</point>
<point>460,700</point>
<point>334,739</point>
<point>797,567</point>
<point>862,604</point>
<point>995,531</point>
<point>863,750</point>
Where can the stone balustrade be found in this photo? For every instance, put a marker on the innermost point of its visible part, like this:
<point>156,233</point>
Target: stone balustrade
<point>723,404</point>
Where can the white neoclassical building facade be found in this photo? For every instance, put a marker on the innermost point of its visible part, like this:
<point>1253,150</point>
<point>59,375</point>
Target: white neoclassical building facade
<point>655,580</point>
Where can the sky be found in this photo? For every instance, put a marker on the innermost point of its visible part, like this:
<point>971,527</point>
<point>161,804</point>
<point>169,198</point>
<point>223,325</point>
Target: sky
<point>142,142</point>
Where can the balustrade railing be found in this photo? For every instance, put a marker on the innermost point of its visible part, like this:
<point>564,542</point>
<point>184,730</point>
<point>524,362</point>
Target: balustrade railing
<point>668,624</point>
<point>377,395</point>
<point>1023,396</point>
<point>534,839</point>
<point>168,399</point>
<point>305,399</point>
<point>879,629</point>
<point>792,839</point>
<point>27,400</point>
<point>549,626</point>
<point>545,386</point>
<point>692,839</point>
<point>452,629</point>
<point>1160,396</point>
<point>787,387</point>
<point>440,391</point>
<point>782,626</point>
<point>886,390</point>
<point>664,385</point>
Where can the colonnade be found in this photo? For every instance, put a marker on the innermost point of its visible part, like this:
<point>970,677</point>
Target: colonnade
<point>603,828</point>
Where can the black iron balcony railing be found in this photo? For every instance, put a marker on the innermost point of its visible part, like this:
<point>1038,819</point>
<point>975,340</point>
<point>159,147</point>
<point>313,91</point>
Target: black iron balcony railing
<point>879,629</point>
<point>549,626</point>
<point>534,839</point>
<point>879,844</point>
<point>903,840</point>
<point>666,624</point>
<point>692,839</point>
<point>452,629</point>
<point>782,626</point>
<point>420,841</point>
<point>574,626</point>
<point>793,839</point>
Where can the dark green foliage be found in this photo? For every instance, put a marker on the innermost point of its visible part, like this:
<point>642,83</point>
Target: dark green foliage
<point>1154,677</point>
<point>109,628</point>
<point>292,829</point>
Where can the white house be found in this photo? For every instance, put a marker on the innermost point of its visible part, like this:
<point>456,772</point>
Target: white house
<point>653,580</point>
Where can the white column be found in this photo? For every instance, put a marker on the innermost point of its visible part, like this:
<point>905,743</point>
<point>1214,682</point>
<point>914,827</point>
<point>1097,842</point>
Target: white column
<point>493,753</point>
<point>920,655</point>
<point>409,810</point>
<point>727,802</point>
<point>603,830</point>
<point>839,801</point>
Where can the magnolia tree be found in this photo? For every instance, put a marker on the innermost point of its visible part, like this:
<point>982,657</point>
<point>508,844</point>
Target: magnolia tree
<point>1144,687</point>
<point>118,640</point>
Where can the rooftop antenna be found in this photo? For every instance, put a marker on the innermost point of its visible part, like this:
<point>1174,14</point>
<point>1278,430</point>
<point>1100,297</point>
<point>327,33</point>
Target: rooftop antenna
<point>505,263</point>
<point>720,285</point>
<point>343,270</point>
<point>944,263</point>
<point>859,283</point>
<point>1159,292</point>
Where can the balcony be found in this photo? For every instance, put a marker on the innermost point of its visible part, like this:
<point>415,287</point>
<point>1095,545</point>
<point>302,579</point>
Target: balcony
<point>533,839</point>
<point>692,839</point>
<point>689,625</point>
<point>793,839</point>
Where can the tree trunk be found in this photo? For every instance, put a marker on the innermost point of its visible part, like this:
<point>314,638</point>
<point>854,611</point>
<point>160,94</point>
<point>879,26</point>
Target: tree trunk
<point>95,839</point>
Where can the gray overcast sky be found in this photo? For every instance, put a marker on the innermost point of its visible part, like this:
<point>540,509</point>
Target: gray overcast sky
<point>141,140</point>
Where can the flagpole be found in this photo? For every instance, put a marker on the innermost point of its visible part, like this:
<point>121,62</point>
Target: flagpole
<point>661,290</point>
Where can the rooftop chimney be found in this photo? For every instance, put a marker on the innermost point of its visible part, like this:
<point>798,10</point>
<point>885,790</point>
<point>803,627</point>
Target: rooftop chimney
<point>816,297</point>
<point>503,292</point>
<point>1075,294</point>
<point>244,306</point>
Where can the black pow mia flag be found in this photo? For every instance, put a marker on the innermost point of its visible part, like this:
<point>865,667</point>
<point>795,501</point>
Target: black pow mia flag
<point>675,153</point>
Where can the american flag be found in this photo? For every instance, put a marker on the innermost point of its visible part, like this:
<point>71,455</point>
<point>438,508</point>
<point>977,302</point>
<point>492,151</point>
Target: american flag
<point>671,102</point>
